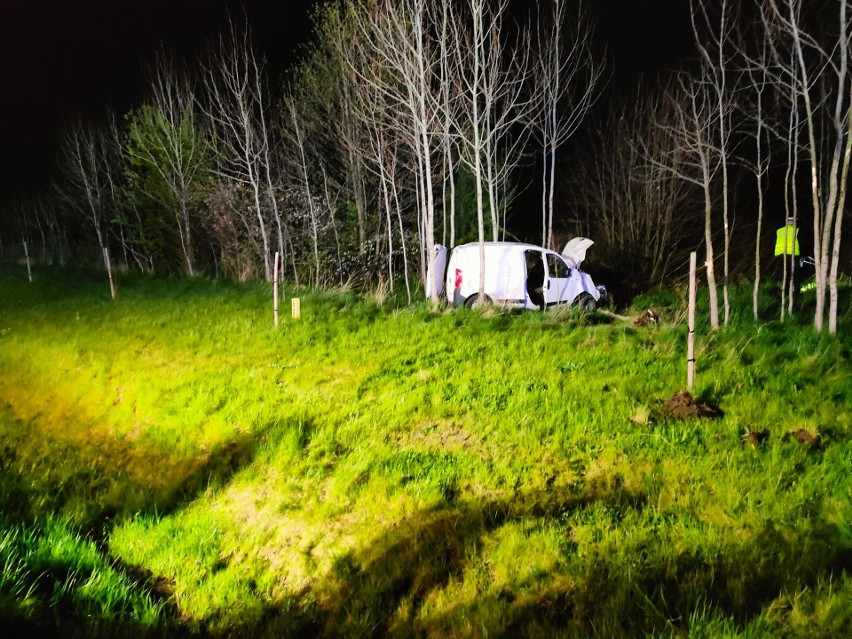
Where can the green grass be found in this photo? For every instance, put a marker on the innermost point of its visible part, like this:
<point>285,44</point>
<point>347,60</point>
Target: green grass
<point>53,576</point>
<point>172,464</point>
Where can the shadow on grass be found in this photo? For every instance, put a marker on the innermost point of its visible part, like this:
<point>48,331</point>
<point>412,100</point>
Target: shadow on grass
<point>61,625</point>
<point>57,502</point>
<point>387,588</point>
<point>647,589</point>
<point>378,591</point>
<point>90,481</point>
<point>638,587</point>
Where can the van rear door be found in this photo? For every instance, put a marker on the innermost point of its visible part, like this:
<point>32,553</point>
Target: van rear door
<point>436,270</point>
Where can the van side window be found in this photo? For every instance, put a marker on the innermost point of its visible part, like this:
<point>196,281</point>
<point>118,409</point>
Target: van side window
<point>556,267</point>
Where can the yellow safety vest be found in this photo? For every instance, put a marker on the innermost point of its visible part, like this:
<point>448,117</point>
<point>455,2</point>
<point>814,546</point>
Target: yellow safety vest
<point>787,241</point>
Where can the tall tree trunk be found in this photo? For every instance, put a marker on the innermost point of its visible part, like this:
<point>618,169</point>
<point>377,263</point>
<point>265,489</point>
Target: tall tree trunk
<point>835,255</point>
<point>708,241</point>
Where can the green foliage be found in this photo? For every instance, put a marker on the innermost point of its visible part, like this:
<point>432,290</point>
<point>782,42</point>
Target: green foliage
<point>173,463</point>
<point>51,570</point>
<point>166,168</point>
<point>466,227</point>
<point>466,224</point>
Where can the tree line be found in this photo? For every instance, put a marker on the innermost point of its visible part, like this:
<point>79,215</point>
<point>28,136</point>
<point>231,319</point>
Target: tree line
<point>411,123</point>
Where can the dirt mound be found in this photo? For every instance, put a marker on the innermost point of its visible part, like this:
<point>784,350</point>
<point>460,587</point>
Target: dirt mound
<point>807,438</point>
<point>651,317</point>
<point>754,438</point>
<point>682,405</point>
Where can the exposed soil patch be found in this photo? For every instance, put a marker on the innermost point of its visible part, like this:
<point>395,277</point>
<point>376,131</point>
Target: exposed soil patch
<point>754,438</point>
<point>650,317</point>
<point>807,438</point>
<point>682,405</point>
<point>444,436</point>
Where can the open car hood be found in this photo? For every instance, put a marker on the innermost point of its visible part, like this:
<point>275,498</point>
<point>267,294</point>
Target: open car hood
<point>575,250</point>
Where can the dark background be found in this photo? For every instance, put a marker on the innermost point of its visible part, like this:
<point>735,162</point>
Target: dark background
<point>59,58</point>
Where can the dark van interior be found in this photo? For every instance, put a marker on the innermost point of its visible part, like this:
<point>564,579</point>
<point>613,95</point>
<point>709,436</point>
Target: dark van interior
<point>535,277</point>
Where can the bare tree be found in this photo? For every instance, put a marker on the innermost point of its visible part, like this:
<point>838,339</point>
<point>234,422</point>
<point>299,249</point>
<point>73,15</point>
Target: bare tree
<point>164,136</point>
<point>397,40</point>
<point>756,111</point>
<point>567,83</point>
<point>812,66</point>
<point>448,109</point>
<point>90,162</point>
<point>713,44</point>
<point>330,74</point>
<point>842,124</point>
<point>305,180</point>
<point>236,104</point>
<point>382,153</point>
<point>343,124</point>
<point>791,200</point>
<point>641,215</point>
<point>40,216</point>
<point>697,157</point>
<point>506,108</point>
<point>490,90</point>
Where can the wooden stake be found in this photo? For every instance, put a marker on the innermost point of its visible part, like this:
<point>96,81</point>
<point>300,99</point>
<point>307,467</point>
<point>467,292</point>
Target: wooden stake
<point>296,307</point>
<point>275,289</point>
<point>27,254</point>
<point>109,272</point>
<point>690,340</point>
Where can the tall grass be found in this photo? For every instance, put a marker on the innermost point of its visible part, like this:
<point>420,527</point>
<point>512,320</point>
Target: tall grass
<point>52,575</point>
<point>374,469</point>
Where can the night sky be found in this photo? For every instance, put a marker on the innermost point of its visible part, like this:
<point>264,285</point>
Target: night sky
<point>78,56</point>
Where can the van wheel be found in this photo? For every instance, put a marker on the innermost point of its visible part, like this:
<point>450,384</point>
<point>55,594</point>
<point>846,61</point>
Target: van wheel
<point>586,302</point>
<point>473,301</point>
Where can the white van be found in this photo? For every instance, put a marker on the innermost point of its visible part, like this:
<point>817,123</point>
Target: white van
<point>518,275</point>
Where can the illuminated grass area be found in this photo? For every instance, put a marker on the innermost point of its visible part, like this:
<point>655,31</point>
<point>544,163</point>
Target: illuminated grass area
<point>173,464</point>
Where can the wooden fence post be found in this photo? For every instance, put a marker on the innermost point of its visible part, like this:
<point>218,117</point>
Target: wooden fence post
<point>690,340</point>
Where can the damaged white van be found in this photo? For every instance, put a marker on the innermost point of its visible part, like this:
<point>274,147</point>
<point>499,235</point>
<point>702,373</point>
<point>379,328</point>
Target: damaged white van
<point>518,275</point>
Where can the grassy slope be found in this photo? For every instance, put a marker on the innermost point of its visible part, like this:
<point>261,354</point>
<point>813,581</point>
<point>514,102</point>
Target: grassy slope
<point>170,462</point>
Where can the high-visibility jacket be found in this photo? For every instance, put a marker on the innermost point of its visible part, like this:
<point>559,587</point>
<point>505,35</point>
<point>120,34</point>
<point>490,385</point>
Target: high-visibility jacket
<point>787,240</point>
